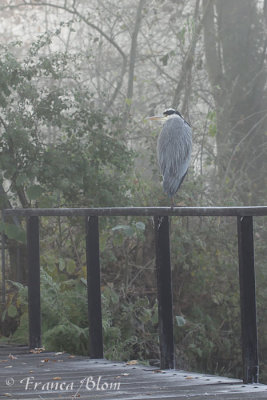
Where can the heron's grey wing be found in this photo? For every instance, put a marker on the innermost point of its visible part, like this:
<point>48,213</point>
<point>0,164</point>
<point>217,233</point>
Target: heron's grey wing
<point>174,152</point>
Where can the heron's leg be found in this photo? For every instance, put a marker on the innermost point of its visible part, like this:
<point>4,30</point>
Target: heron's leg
<point>180,204</point>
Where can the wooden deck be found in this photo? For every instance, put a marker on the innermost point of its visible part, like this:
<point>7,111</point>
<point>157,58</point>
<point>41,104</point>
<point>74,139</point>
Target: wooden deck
<point>61,376</point>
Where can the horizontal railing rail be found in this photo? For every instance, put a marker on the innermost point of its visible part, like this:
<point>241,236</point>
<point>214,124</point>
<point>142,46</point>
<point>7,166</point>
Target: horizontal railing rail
<point>161,216</point>
<point>140,211</point>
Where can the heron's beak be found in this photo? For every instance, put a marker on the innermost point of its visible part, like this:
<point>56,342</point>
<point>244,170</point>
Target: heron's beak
<point>156,118</point>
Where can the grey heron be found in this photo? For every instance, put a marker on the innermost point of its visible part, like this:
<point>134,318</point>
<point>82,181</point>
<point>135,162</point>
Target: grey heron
<point>174,149</point>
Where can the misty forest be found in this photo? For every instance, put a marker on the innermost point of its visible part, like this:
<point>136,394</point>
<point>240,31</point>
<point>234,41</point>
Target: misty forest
<point>78,79</point>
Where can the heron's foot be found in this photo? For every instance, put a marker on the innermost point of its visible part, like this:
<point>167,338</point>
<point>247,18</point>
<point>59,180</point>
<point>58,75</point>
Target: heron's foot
<point>180,204</point>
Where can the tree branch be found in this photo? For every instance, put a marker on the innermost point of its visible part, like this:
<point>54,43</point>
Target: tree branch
<point>237,146</point>
<point>137,26</point>
<point>75,12</point>
<point>188,75</point>
<point>189,58</point>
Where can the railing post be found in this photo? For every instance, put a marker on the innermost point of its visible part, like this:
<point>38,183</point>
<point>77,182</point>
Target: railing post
<point>3,254</point>
<point>34,302</point>
<point>93,288</point>
<point>248,300</point>
<point>164,286</point>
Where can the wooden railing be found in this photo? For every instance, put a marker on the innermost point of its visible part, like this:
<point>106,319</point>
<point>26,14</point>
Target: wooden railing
<point>163,268</point>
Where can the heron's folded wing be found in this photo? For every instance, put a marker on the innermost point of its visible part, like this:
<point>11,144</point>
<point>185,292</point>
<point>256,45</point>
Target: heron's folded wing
<point>174,152</point>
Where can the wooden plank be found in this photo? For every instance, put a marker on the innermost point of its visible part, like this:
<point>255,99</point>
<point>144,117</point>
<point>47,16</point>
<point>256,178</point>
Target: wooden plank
<point>34,300</point>
<point>39,376</point>
<point>141,211</point>
<point>93,288</point>
<point>164,286</point>
<point>248,300</point>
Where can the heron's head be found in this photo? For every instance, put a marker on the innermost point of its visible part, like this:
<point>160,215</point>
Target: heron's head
<point>168,113</point>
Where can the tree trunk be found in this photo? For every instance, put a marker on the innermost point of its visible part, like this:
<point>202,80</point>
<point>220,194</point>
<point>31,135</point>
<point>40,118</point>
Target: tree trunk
<point>129,96</point>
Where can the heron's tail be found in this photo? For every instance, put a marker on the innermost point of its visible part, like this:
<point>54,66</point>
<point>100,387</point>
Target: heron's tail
<point>171,184</point>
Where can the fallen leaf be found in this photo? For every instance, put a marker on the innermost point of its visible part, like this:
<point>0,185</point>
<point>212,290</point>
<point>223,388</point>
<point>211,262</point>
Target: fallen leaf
<point>37,350</point>
<point>45,360</point>
<point>71,356</point>
<point>7,395</point>
<point>57,378</point>
<point>4,360</point>
<point>157,371</point>
<point>12,357</point>
<point>189,377</point>
<point>132,362</point>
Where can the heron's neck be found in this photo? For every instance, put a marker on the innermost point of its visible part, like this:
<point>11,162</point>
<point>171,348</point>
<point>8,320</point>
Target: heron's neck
<point>178,116</point>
